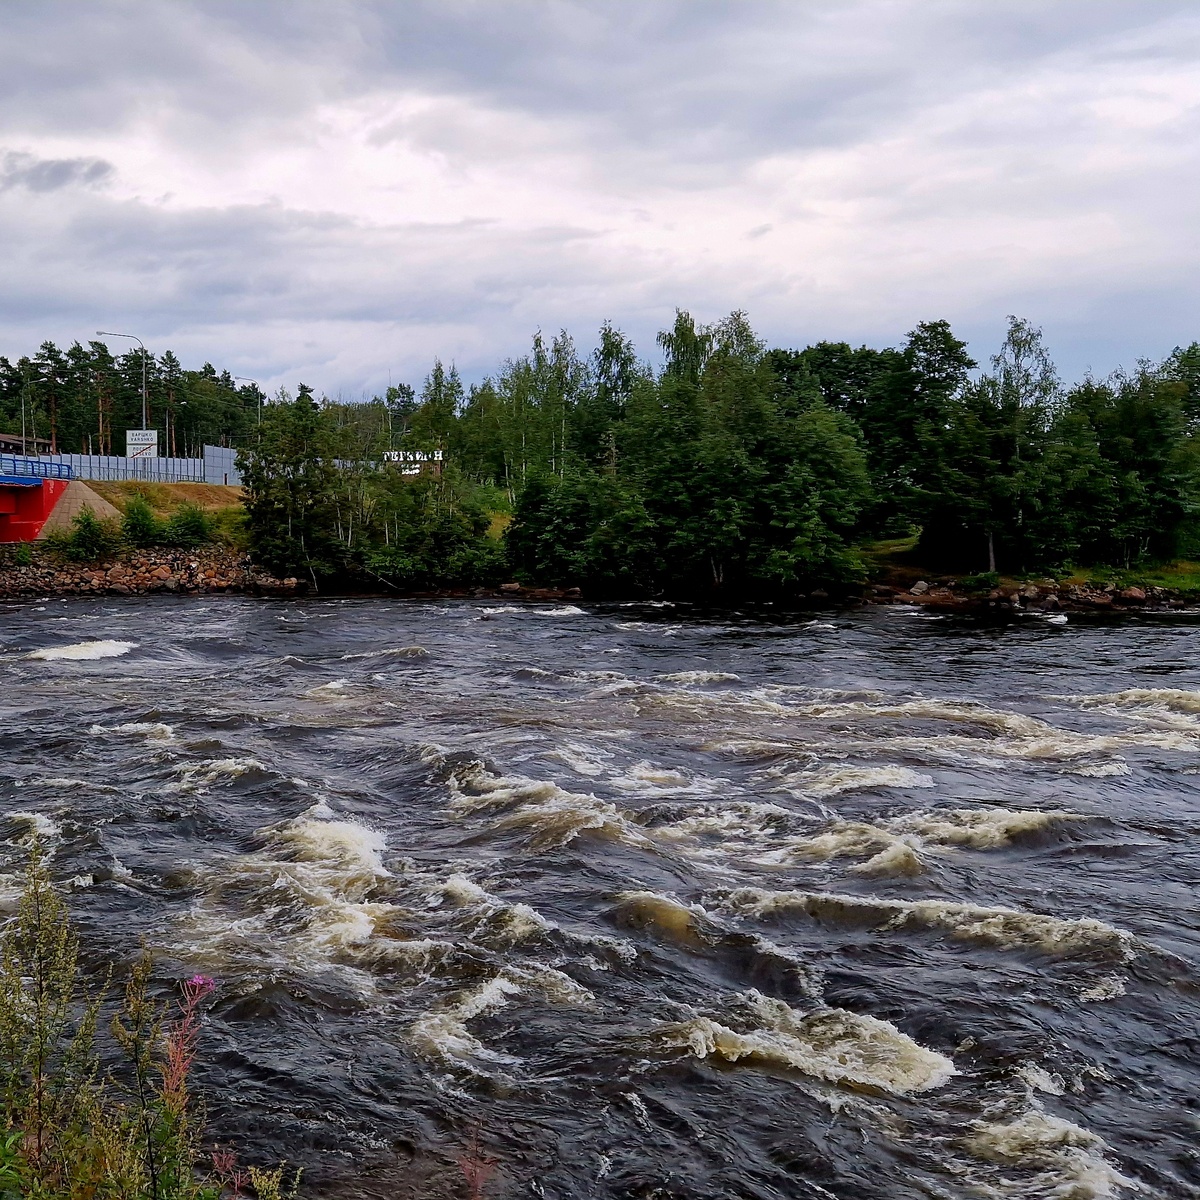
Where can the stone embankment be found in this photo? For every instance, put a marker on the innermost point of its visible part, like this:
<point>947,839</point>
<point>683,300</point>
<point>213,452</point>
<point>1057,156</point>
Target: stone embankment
<point>33,570</point>
<point>1029,597</point>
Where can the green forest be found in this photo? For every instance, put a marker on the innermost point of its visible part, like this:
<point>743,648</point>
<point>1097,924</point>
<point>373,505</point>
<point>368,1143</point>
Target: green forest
<point>733,468</point>
<point>728,468</point>
<point>82,399</point>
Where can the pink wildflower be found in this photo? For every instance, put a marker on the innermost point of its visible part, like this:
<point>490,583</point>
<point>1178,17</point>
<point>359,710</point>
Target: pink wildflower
<point>231,1176</point>
<point>182,1036</point>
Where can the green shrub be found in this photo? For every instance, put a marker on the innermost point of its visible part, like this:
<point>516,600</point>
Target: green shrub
<point>229,527</point>
<point>139,526</point>
<point>187,527</point>
<point>69,1130</point>
<point>89,539</point>
<point>23,555</point>
<point>982,582</point>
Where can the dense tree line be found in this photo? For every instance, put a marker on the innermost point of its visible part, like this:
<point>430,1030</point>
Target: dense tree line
<point>82,399</point>
<point>733,467</point>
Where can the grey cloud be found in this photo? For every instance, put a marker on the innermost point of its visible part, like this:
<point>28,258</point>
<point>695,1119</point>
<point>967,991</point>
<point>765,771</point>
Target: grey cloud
<point>683,96</point>
<point>50,174</point>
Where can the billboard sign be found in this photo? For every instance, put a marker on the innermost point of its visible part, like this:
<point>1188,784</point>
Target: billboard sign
<point>412,461</point>
<point>141,443</point>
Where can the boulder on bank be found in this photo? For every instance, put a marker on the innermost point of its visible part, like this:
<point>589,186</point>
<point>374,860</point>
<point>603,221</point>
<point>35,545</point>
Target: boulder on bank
<point>33,569</point>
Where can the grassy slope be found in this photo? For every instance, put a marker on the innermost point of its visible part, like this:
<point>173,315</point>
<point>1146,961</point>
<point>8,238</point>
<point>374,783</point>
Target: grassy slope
<point>222,504</point>
<point>164,498</point>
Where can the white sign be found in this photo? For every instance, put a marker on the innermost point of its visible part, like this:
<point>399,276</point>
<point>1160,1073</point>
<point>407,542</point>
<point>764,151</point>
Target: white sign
<point>141,443</point>
<point>412,456</point>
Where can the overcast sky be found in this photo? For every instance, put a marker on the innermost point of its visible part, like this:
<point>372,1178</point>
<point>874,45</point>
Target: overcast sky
<point>339,192</point>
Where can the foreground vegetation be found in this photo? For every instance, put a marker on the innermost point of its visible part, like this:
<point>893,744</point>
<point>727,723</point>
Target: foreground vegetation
<point>74,1130</point>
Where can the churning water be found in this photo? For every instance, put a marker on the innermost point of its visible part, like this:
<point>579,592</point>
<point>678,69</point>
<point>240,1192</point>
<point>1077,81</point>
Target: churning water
<point>659,904</point>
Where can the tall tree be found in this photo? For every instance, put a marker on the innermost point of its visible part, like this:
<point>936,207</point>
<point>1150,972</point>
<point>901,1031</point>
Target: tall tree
<point>290,479</point>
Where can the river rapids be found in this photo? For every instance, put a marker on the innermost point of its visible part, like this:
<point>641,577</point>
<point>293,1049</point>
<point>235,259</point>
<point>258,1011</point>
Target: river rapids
<point>644,901</point>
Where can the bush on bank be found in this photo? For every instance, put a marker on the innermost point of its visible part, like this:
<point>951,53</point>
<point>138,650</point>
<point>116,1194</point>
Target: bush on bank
<point>90,539</point>
<point>72,1131</point>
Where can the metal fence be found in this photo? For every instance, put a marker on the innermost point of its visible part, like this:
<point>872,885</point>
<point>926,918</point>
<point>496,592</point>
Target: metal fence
<point>18,465</point>
<point>219,465</point>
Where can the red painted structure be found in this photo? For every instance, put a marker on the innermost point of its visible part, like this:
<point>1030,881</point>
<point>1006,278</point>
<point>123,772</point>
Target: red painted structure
<point>26,504</point>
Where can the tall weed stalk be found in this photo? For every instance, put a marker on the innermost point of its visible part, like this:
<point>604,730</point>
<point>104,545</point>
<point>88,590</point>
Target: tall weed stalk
<point>73,1132</point>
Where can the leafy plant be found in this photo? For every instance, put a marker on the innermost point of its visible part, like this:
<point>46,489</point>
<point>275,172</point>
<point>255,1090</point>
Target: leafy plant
<point>139,526</point>
<point>188,526</point>
<point>23,555</point>
<point>89,540</point>
<point>982,582</point>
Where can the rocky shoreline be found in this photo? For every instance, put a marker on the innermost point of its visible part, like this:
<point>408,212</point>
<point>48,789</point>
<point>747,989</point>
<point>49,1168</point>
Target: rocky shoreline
<point>1042,597</point>
<point>28,569</point>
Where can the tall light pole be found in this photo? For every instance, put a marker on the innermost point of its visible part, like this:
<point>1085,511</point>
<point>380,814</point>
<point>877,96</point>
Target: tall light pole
<point>102,333</point>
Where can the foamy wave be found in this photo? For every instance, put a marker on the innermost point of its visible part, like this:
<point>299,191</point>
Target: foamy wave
<point>650,779</point>
<point>1014,736</point>
<point>1069,1160</point>
<point>665,914</point>
<point>1102,770</point>
<point>1173,699</point>
<point>517,921</point>
<point>833,780</point>
<point>40,825</point>
<point>355,848</point>
<point>893,848</point>
<point>155,730</point>
<point>699,677</point>
<point>443,1033</point>
<point>391,652</point>
<point>324,690</point>
<point>315,904</point>
<point>550,814</point>
<point>84,651</point>
<point>739,822</point>
<point>831,1044</point>
<point>1109,988</point>
<point>1005,928</point>
<point>583,760</point>
<point>204,774</point>
<point>980,828</point>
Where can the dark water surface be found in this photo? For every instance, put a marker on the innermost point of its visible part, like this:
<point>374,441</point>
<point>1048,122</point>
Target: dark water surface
<point>871,906</point>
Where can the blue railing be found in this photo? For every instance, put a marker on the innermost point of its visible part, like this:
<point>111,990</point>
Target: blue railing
<point>12,464</point>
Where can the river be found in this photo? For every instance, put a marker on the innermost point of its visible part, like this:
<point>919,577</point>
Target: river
<point>650,902</point>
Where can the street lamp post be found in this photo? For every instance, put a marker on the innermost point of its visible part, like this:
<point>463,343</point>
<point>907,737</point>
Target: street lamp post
<point>133,337</point>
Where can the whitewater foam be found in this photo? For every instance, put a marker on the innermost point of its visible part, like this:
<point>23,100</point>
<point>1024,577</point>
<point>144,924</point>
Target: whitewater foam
<point>443,1033</point>
<point>980,828</point>
<point>391,652</point>
<point>154,730</point>
<point>517,921</point>
<point>833,780</point>
<point>700,677</point>
<point>551,815</point>
<point>831,1044</point>
<point>1004,928</point>
<point>1068,1159</point>
<point>84,651</point>
<point>41,826</point>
